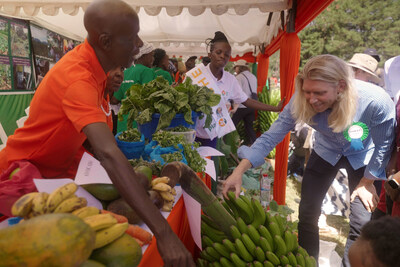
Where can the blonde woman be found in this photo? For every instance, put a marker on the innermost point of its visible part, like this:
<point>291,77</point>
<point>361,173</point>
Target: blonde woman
<point>354,123</point>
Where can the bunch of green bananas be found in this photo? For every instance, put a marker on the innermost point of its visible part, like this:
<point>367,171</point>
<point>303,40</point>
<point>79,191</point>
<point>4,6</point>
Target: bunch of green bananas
<point>266,118</point>
<point>258,239</point>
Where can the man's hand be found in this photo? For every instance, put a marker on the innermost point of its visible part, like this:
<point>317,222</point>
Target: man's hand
<point>366,192</point>
<point>173,252</point>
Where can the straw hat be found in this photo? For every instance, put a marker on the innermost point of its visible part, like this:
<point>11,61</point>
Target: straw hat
<point>241,62</point>
<point>364,62</point>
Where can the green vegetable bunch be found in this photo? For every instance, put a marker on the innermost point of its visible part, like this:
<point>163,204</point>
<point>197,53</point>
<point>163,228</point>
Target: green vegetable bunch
<point>170,157</point>
<point>180,129</point>
<point>193,158</point>
<point>167,139</point>
<point>130,135</point>
<point>158,96</point>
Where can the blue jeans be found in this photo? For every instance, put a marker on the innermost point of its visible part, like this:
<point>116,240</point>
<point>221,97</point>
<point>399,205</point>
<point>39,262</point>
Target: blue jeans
<point>318,177</point>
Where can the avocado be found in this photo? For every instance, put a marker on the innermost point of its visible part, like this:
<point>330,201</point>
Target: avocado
<point>106,192</point>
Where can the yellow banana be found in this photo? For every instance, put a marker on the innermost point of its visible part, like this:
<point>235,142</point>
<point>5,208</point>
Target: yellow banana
<point>59,195</point>
<point>39,204</point>
<point>161,187</point>
<point>108,235</point>
<point>164,179</point>
<point>86,212</point>
<point>173,191</point>
<point>23,205</point>
<point>167,196</point>
<point>71,204</point>
<point>100,221</point>
<point>167,206</point>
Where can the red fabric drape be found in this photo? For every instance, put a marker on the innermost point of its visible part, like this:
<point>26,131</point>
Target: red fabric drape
<point>246,56</point>
<point>307,10</point>
<point>262,71</point>
<point>289,67</point>
<point>180,225</point>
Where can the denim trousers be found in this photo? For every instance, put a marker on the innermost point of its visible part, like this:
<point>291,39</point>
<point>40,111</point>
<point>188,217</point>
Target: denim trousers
<point>317,178</point>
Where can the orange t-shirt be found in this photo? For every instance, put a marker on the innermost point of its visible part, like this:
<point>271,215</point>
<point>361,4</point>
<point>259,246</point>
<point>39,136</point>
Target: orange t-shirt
<point>69,98</point>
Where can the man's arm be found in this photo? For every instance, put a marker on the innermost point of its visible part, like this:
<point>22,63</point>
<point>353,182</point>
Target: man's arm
<point>125,180</point>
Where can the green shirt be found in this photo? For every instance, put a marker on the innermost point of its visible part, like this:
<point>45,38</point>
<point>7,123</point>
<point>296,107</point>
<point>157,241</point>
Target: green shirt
<point>137,74</point>
<point>160,72</point>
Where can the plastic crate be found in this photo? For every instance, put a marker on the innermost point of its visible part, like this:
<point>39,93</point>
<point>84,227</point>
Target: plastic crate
<point>148,129</point>
<point>131,150</point>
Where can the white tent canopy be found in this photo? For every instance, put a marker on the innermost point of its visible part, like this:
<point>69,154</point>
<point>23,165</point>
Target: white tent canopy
<point>178,26</point>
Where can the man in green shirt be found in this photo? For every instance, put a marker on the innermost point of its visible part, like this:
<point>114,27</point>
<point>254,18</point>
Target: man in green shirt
<point>161,64</point>
<point>140,73</point>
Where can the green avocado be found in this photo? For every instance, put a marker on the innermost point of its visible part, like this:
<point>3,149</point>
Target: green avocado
<point>106,192</point>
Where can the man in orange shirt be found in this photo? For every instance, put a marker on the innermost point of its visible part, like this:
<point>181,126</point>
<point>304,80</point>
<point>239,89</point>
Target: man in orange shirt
<point>69,107</point>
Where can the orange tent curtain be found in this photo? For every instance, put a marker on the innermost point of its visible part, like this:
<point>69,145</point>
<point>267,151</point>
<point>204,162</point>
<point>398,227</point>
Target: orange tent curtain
<point>246,56</point>
<point>262,71</point>
<point>289,44</point>
<point>289,67</point>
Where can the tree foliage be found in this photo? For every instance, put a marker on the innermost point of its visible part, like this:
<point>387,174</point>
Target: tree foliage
<point>349,26</point>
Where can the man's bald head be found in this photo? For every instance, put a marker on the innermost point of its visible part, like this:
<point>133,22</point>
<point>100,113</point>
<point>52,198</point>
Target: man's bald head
<point>102,15</point>
<point>112,25</point>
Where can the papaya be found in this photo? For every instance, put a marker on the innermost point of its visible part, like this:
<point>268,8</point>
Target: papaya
<point>124,251</point>
<point>92,263</point>
<point>57,239</point>
<point>106,192</point>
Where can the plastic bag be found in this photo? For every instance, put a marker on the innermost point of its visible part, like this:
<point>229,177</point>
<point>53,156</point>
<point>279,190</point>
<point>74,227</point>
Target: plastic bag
<point>158,151</point>
<point>20,184</point>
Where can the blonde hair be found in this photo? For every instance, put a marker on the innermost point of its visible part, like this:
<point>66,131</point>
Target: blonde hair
<point>330,69</point>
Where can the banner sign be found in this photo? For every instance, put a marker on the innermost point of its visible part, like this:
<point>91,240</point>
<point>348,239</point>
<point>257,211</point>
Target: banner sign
<point>48,48</point>
<point>5,73</point>
<point>12,108</point>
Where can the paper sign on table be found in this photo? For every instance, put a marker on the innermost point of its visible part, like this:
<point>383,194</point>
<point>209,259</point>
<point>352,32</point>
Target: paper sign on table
<point>49,185</point>
<point>210,168</point>
<point>90,171</point>
<point>207,151</point>
<point>193,211</point>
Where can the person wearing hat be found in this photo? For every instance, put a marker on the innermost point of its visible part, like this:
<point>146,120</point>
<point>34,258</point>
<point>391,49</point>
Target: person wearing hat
<point>364,67</point>
<point>190,63</point>
<point>139,73</point>
<point>248,83</point>
<point>373,53</point>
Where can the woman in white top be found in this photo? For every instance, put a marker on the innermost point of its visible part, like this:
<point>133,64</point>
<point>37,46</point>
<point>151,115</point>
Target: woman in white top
<point>220,53</point>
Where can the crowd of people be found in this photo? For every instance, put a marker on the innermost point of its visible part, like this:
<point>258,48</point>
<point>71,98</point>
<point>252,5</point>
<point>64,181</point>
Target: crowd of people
<point>353,117</point>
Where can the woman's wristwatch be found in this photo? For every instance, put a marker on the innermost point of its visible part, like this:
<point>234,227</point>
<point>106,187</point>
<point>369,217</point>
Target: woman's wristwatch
<point>393,183</point>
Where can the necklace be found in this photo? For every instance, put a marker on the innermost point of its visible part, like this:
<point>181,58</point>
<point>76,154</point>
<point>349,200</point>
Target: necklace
<point>109,109</point>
